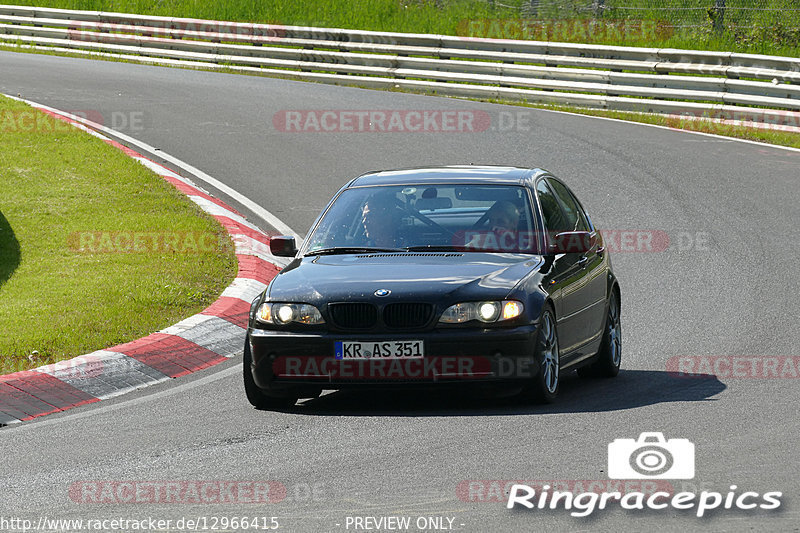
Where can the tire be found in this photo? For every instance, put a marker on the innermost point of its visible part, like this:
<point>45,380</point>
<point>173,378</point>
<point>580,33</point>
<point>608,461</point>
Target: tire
<point>544,388</point>
<point>256,396</point>
<point>609,357</point>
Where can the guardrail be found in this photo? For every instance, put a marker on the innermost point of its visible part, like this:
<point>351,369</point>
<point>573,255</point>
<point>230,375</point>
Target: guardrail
<point>720,85</point>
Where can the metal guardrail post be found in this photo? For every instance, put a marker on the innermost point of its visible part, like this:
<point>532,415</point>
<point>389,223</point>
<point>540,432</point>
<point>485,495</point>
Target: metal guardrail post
<point>597,8</point>
<point>717,14</point>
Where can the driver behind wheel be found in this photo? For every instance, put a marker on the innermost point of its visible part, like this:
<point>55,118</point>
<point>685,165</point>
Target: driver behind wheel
<point>381,218</point>
<point>503,221</point>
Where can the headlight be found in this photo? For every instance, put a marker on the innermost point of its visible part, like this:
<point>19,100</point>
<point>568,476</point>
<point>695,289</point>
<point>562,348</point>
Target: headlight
<point>488,311</point>
<point>483,311</point>
<point>286,313</point>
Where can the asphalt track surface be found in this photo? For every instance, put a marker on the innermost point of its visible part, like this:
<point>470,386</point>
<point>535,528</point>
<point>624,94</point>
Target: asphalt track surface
<point>359,454</point>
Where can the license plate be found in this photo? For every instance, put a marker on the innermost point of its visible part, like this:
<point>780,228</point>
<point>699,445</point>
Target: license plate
<point>379,350</point>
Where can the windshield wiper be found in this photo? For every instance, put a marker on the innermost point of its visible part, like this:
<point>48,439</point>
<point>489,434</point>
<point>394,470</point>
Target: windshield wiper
<point>434,248</point>
<point>462,249</point>
<point>351,250</point>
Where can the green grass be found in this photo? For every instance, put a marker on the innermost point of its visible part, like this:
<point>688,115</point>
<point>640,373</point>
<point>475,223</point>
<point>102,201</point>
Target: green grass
<point>59,184</point>
<point>774,31</point>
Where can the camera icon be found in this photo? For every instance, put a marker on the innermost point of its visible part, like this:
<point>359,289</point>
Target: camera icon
<point>651,457</point>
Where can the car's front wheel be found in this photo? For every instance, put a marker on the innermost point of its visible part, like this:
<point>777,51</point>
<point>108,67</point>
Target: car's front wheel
<point>256,396</point>
<point>609,358</point>
<point>544,387</point>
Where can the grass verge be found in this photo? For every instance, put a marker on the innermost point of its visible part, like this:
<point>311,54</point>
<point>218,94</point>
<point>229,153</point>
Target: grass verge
<point>95,250</point>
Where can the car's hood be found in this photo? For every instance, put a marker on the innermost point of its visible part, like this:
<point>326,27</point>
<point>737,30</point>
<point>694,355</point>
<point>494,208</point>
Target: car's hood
<point>436,277</point>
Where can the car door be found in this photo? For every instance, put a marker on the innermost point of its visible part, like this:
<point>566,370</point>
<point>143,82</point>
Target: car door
<point>585,292</point>
<point>562,274</point>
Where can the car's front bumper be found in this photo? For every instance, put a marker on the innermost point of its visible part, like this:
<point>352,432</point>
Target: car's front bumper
<point>285,359</point>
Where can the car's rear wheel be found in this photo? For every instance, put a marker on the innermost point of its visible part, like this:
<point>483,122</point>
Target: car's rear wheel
<point>256,396</point>
<point>544,387</point>
<point>609,358</point>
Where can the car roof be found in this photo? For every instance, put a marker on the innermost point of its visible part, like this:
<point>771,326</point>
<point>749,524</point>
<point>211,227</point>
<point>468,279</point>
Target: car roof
<point>475,174</point>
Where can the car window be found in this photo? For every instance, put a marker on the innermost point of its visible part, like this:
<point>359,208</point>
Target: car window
<point>473,217</point>
<point>583,214</point>
<point>554,219</point>
<point>573,215</point>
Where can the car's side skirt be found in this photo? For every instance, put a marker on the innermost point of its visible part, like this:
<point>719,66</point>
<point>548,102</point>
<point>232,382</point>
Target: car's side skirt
<point>580,353</point>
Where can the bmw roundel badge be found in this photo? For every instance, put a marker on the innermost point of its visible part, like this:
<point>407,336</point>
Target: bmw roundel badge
<point>382,292</point>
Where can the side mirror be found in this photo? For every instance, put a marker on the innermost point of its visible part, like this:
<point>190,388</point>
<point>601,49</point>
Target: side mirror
<point>573,242</point>
<point>283,246</point>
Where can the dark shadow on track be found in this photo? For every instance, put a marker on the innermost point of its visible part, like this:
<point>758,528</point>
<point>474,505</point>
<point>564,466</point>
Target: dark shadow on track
<point>631,389</point>
<point>9,250</point>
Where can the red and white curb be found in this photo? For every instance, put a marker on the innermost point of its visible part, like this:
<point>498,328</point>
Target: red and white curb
<point>203,340</point>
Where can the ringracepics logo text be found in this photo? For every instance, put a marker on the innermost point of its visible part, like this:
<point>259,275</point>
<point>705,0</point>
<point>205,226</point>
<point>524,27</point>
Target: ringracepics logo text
<point>586,503</point>
<point>651,456</point>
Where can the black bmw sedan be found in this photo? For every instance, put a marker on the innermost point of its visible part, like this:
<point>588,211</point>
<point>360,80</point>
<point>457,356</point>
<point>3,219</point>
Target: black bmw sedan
<point>427,276</point>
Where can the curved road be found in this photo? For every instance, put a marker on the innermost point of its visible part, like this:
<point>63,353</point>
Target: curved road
<point>726,286</point>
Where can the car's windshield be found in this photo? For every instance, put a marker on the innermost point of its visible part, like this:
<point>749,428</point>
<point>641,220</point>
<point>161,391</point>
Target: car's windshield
<point>494,218</point>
